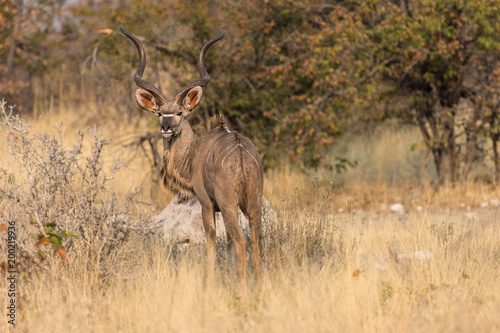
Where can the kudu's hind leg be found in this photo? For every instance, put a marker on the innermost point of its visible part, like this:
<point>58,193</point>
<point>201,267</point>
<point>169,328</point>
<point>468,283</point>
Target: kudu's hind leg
<point>231,253</point>
<point>230,216</point>
<point>254,214</point>
<point>255,233</point>
<point>208,217</point>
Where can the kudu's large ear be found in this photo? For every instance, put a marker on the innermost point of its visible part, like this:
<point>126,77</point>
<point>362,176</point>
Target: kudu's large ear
<point>193,98</point>
<point>146,100</point>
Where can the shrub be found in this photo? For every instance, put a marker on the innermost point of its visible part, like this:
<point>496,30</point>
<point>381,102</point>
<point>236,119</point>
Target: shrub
<point>59,198</point>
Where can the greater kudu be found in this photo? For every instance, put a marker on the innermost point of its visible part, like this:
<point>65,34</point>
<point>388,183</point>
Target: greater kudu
<point>222,169</point>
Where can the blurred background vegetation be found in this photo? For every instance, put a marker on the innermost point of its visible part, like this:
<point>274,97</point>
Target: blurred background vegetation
<point>294,76</point>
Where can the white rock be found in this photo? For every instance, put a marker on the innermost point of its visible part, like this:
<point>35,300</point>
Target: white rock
<point>423,255</point>
<point>420,255</point>
<point>183,222</point>
<point>397,208</point>
<point>341,210</point>
<point>402,256</point>
<point>380,266</point>
<point>483,204</point>
<point>359,212</point>
<point>494,202</point>
<point>471,217</point>
<point>419,208</point>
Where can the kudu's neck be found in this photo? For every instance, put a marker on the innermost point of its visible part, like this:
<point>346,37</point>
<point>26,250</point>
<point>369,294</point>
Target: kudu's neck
<point>181,145</point>
<point>178,158</point>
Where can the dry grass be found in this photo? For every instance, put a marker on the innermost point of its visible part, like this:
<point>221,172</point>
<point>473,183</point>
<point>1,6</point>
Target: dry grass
<point>453,286</point>
<point>362,270</point>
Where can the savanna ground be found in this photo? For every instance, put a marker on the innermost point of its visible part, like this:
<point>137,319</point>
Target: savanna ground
<point>336,260</point>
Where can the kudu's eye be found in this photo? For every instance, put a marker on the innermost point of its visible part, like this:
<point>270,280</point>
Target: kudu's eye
<point>179,113</point>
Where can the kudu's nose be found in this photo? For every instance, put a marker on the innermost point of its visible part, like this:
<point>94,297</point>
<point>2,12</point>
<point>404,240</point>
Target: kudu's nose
<point>166,131</point>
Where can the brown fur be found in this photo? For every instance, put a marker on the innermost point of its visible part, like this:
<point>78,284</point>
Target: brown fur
<point>173,180</point>
<point>223,170</point>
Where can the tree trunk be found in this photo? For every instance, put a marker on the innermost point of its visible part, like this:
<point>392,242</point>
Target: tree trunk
<point>444,150</point>
<point>496,159</point>
<point>445,163</point>
<point>471,133</point>
<point>495,137</point>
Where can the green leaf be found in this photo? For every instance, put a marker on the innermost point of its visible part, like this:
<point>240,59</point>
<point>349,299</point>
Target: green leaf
<point>56,240</point>
<point>71,234</point>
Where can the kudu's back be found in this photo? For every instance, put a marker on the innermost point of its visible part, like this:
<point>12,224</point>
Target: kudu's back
<point>232,172</point>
